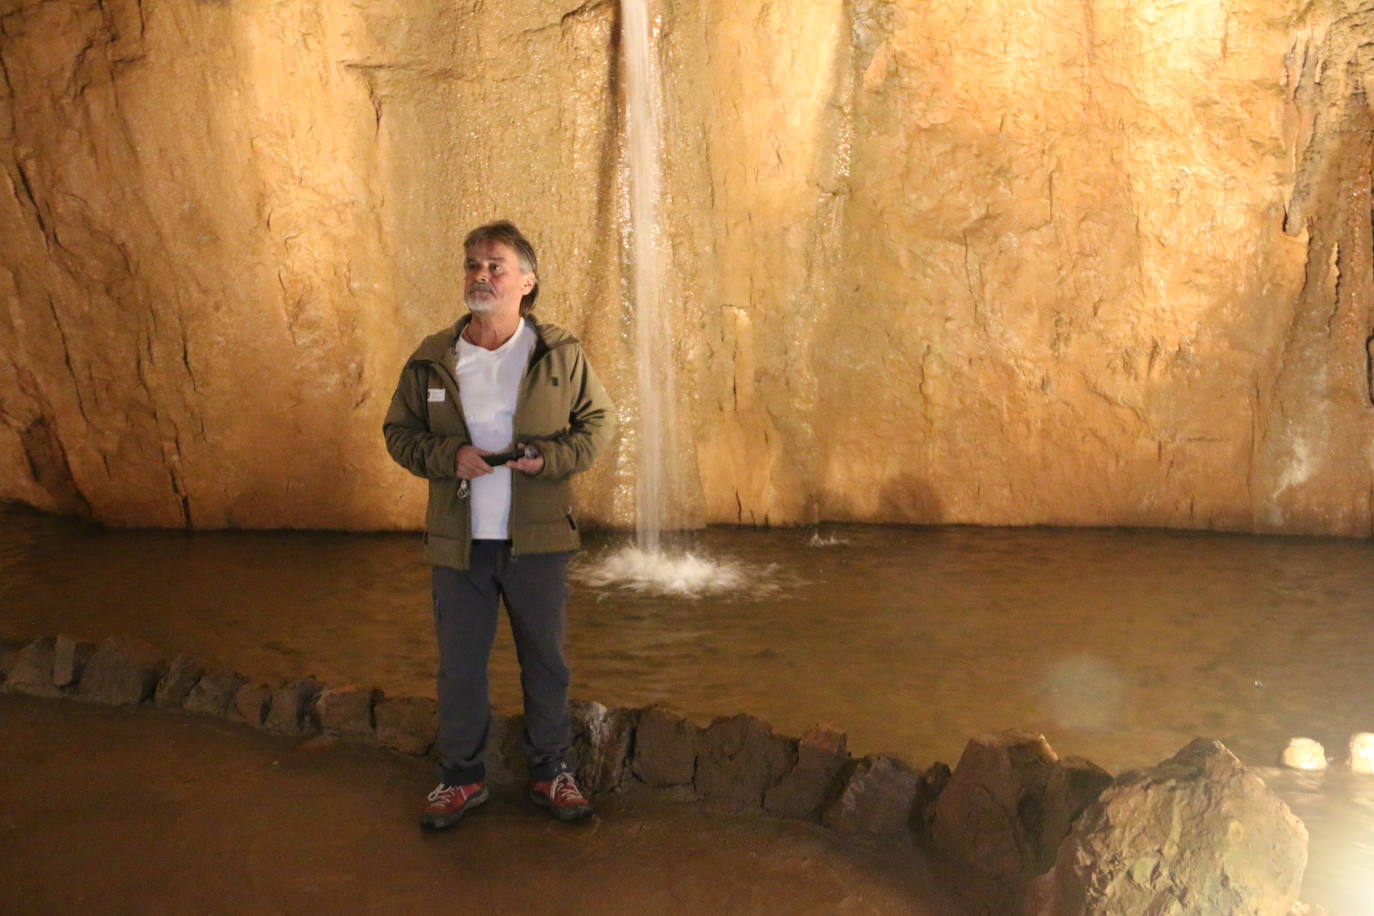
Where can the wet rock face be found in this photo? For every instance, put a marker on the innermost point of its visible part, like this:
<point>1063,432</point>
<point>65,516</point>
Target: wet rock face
<point>1197,833</point>
<point>1080,280</point>
<point>9,654</point>
<point>806,787</point>
<point>1009,803</point>
<point>250,703</point>
<point>878,796</point>
<point>291,707</point>
<point>69,659</point>
<point>214,694</point>
<point>601,743</point>
<point>183,673</point>
<point>990,814</point>
<point>406,724</point>
<point>31,669</point>
<point>346,712</point>
<point>741,759</point>
<point>665,749</point>
<point>1073,784</point>
<point>121,672</point>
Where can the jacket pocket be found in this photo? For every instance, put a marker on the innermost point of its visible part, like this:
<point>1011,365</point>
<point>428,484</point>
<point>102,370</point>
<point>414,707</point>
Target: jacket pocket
<point>446,513</point>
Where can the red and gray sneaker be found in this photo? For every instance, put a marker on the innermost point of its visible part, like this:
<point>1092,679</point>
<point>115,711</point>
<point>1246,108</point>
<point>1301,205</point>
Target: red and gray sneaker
<point>562,797</point>
<point>446,805</point>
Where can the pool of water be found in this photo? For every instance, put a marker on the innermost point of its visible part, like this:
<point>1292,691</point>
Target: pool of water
<point>1118,645</point>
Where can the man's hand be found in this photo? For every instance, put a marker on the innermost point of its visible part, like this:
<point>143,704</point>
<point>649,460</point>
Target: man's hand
<point>527,465</point>
<point>470,463</point>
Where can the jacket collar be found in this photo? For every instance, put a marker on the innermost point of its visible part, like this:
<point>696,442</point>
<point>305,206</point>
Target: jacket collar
<point>439,347</point>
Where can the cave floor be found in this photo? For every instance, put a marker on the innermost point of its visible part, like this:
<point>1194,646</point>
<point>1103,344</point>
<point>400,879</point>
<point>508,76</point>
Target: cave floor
<point>140,811</point>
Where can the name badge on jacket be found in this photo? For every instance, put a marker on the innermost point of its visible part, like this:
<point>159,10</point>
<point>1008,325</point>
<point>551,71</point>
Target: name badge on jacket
<point>436,394</point>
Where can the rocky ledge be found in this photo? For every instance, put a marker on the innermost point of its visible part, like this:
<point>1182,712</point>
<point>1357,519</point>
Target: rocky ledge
<point>1197,833</point>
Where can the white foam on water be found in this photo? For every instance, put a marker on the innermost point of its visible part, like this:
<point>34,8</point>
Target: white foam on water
<point>825,540</point>
<point>676,573</point>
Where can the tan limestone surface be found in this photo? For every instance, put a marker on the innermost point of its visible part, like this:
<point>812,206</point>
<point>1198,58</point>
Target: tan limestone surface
<point>969,262</point>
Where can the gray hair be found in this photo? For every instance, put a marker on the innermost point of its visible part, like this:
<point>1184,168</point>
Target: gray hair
<point>505,232</point>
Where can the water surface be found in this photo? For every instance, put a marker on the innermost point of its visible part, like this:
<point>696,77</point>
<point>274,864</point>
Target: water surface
<point>1118,645</point>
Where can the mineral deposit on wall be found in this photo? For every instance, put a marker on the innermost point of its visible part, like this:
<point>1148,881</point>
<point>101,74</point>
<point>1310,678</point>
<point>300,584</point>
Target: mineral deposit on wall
<point>985,262</point>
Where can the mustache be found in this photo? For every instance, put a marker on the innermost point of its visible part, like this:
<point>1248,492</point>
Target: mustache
<point>479,285</point>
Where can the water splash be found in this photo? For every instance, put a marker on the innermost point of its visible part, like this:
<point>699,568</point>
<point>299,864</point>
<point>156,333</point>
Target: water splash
<point>679,574</point>
<point>825,540</point>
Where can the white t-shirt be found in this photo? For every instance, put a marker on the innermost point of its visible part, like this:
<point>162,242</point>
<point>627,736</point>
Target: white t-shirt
<point>489,386</point>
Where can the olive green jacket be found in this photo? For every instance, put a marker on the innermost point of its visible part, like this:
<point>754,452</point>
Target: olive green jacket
<point>562,410</point>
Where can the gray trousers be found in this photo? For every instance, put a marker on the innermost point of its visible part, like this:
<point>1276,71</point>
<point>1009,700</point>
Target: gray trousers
<point>466,607</point>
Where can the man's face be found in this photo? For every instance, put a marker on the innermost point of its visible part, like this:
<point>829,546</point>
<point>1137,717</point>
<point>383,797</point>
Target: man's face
<point>493,279</point>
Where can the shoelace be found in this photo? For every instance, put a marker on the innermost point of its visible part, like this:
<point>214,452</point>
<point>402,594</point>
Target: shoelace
<point>564,790</point>
<point>445,793</point>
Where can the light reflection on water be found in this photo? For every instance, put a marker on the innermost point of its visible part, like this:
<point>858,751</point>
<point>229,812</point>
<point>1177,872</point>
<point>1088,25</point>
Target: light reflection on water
<point>1118,645</point>
<point>1337,807</point>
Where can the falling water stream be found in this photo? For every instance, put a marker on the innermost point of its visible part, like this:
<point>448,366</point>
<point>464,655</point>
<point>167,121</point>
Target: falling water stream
<point>650,565</point>
<point>652,325</point>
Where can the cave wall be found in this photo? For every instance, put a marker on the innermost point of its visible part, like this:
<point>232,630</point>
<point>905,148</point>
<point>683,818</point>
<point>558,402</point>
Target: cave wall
<point>1069,263</point>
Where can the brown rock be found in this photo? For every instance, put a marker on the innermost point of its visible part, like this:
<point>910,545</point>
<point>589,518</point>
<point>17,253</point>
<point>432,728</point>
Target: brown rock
<point>346,712</point>
<point>213,694</point>
<point>1198,833</point>
<point>990,814</point>
<point>1074,784</point>
<point>933,783</point>
<point>183,673</point>
<point>740,760</point>
<point>666,746</point>
<point>251,703</point>
<point>877,797</point>
<point>814,781</point>
<point>291,711</point>
<point>601,744</point>
<point>69,659</point>
<point>406,724</point>
<point>122,672</point>
<point>9,653</point>
<point>31,670</point>
<point>827,739</point>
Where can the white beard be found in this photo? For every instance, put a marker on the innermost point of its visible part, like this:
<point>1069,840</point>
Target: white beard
<point>480,306</point>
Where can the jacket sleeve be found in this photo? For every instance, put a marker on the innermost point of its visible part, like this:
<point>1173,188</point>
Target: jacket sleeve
<point>591,423</point>
<point>406,429</point>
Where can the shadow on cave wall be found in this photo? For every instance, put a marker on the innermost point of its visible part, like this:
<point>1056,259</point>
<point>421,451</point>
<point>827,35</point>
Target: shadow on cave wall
<point>903,499</point>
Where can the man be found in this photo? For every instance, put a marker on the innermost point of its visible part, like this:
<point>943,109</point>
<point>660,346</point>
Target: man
<point>499,525</point>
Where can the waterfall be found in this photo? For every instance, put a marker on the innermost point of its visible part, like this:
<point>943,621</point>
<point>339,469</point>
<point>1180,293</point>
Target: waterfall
<point>646,567</point>
<point>654,362</point>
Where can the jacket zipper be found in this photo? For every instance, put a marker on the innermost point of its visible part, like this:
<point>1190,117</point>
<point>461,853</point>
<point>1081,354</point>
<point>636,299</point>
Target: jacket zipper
<point>450,382</point>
